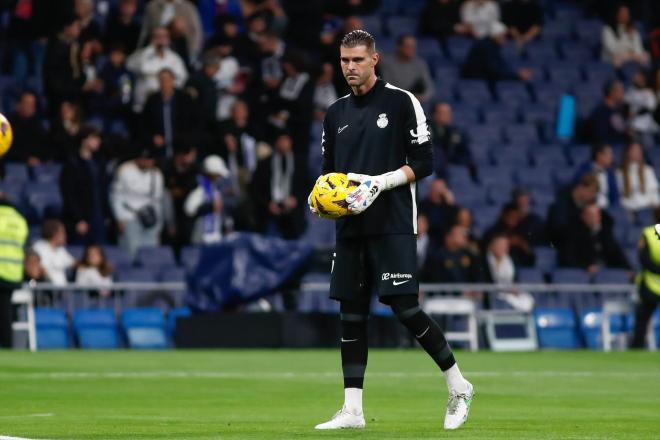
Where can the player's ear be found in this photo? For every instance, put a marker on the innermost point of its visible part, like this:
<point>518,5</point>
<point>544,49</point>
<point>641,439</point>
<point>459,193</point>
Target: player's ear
<point>375,58</point>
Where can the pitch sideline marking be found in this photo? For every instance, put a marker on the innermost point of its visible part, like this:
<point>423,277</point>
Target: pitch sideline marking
<point>62,375</point>
<point>6,437</point>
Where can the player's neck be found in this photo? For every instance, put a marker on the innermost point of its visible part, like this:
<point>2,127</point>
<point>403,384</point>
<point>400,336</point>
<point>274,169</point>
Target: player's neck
<point>366,87</point>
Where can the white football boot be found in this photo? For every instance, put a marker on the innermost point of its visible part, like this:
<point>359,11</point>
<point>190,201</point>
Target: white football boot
<point>344,419</point>
<point>458,408</point>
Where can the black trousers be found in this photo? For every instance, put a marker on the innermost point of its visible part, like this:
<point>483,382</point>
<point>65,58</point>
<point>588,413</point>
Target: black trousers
<point>648,301</point>
<point>5,317</point>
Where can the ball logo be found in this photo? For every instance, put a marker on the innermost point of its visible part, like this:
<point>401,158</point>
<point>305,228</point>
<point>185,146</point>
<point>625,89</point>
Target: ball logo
<point>3,128</point>
<point>382,120</point>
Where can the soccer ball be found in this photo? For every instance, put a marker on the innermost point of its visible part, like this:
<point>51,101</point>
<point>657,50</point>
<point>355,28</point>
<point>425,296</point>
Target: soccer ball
<point>329,195</point>
<point>6,135</point>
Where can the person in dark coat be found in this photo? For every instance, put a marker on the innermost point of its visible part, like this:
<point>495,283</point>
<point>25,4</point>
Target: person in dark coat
<point>122,27</point>
<point>84,190</point>
<point>591,244</point>
<point>29,145</point>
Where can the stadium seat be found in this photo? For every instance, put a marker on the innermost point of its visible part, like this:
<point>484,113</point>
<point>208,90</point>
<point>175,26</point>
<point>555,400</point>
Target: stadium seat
<point>118,257</point>
<point>473,90</point>
<point>612,276</point>
<point>48,173</point>
<point>495,174</point>
<point>530,275</point>
<point>556,328</point>
<point>144,328</point>
<point>591,320</point>
<point>546,258</point>
<point>522,135</point>
<point>534,177</point>
<point>190,257</point>
<point>96,329</point>
<point>15,172</point>
<point>52,329</point>
<point>155,256</point>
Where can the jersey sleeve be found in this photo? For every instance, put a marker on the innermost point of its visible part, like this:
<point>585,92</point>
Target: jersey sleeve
<point>419,150</point>
<point>328,146</point>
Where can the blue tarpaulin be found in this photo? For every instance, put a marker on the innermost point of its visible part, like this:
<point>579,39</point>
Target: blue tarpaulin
<point>244,268</point>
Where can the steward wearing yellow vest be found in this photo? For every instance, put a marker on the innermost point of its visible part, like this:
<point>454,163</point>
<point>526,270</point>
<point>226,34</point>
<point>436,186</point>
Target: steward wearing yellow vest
<point>13,233</point>
<point>648,281</point>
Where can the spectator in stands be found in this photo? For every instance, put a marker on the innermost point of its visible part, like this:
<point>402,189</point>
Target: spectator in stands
<point>478,16</point>
<point>440,209</point>
<point>62,70</point>
<point>205,203</point>
<point>33,271</point>
<point>485,60</point>
<point>324,91</point>
<point>463,218</point>
<point>228,80</point>
<point>531,225</point>
<point>637,181</point>
<point>137,202</point>
<point>452,262</point>
<point>117,89</point>
<point>405,69</point>
<point>278,190</point>
<point>94,270</point>
<point>168,115</point>
<point>590,243</point>
<point>51,248</point>
<point>122,28</point>
<point>90,30</point>
<point>84,190</point>
<point>146,63</point>
<point>273,12</point>
<point>29,145</point>
<point>564,213</point>
<point>180,179</point>
<point>621,42</point>
<point>602,166</point>
<point>608,119</point>
<point>499,268</point>
<point>346,8</point>
<point>451,144</point>
<point>423,240</point>
<point>440,19</point>
<point>160,13</point>
<point>642,104</point>
<point>508,224</point>
<point>524,19</point>
<point>202,87</point>
<point>65,129</point>
<point>238,147</point>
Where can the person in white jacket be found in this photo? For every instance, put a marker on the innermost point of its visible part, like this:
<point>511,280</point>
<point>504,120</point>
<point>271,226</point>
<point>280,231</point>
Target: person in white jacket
<point>621,42</point>
<point>137,198</point>
<point>55,259</point>
<point>479,16</point>
<point>146,64</point>
<point>638,183</point>
<point>205,203</point>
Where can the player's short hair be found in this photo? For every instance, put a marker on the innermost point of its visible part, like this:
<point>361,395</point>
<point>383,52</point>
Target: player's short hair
<point>359,38</point>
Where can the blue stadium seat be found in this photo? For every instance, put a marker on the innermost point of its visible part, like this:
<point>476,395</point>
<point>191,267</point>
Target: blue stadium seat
<point>15,172</point>
<point>508,91</point>
<point>495,174</point>
<point>598,73</point>
<point>589,31</point>
<point>399,25</point>
<point>546,258</point>
<point>499,115</point>
<point>556,328</point>
<point>534,177</point>
<point>48,173</point>
<point>612,276</point>
<point>522,135</point>
<point>570,275</point>
<point>155,256</point>
<point>320,233</point>
<point>172,316</point>
<point>530,275</point>
<point>541,51</point>
<point>499,193</point>
<point>575,53</point>
<point>373,24</point>
<point>538,113</point>
<point>52,329</point>
<point>171,274</point>
<point>486,133</point>
<point>591,320</point>
<point>548,157</point>
<point>473,90</point>
<point>145,328</point>
<point>579,154</point>
<point>310,300</point>
<point>96,329</point>
<point>459,48</point>
<point>190,257</point>
<point>118,257</point>
<point>563,176</point>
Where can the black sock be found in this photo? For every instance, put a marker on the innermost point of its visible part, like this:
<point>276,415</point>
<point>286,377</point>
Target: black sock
<point>425,329</point>
<point>354,348</point>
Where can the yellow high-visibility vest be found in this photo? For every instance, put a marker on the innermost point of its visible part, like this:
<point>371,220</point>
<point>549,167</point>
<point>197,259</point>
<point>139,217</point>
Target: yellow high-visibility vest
<point>13,233</point>
<point>651,279</point>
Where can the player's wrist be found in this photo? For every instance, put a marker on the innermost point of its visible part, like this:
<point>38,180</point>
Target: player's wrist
<point>394,179</point>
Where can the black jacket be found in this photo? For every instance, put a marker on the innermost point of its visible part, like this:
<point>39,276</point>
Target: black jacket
<point>485,61</point>
<point>77,185</point>
<point>583,248</point>
<point>183,115</point>
<point>63,78</point>
<point>373,134</point>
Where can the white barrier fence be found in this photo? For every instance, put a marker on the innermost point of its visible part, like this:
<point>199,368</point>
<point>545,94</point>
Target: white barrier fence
<point>454,305</point>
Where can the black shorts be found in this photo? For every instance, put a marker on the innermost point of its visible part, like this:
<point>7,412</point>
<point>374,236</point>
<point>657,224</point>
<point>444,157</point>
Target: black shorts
<point>384,263</point>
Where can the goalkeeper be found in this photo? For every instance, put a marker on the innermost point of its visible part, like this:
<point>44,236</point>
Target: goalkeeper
<point>378,135</point>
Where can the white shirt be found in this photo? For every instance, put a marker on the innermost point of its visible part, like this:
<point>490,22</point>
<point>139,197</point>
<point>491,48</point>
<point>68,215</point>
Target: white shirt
<point>55,261</point>
<point>637,199</point>
<point>480,16</point>
<point>642,99</point>
<point>199,236</point>
<point>90,276</point>
<point>623,41</point>
<point>145,64</point>
<point>134,188</point>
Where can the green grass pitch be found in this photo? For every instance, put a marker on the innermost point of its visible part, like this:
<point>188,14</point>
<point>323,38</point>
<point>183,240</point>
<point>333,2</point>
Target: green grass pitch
<point>282,394</point>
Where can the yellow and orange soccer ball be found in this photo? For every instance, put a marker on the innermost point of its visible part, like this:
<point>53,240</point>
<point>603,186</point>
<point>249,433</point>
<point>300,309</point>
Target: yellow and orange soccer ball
<point>6,135</point>
<point>328,196</point>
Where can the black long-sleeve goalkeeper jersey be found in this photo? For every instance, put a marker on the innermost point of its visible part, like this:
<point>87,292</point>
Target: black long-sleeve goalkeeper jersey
<point>372,134</point>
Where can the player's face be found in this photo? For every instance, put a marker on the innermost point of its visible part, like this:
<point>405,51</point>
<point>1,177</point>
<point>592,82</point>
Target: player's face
<point>357,64</point>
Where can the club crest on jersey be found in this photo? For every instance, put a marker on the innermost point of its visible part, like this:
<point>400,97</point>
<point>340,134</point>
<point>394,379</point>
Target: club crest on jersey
<point>382,120</point>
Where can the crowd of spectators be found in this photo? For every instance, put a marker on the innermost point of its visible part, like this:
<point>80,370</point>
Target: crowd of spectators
<point>179,121</point>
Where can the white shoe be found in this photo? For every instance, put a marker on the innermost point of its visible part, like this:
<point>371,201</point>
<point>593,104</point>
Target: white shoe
<point>458,408</point>
<point>344,419</point>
